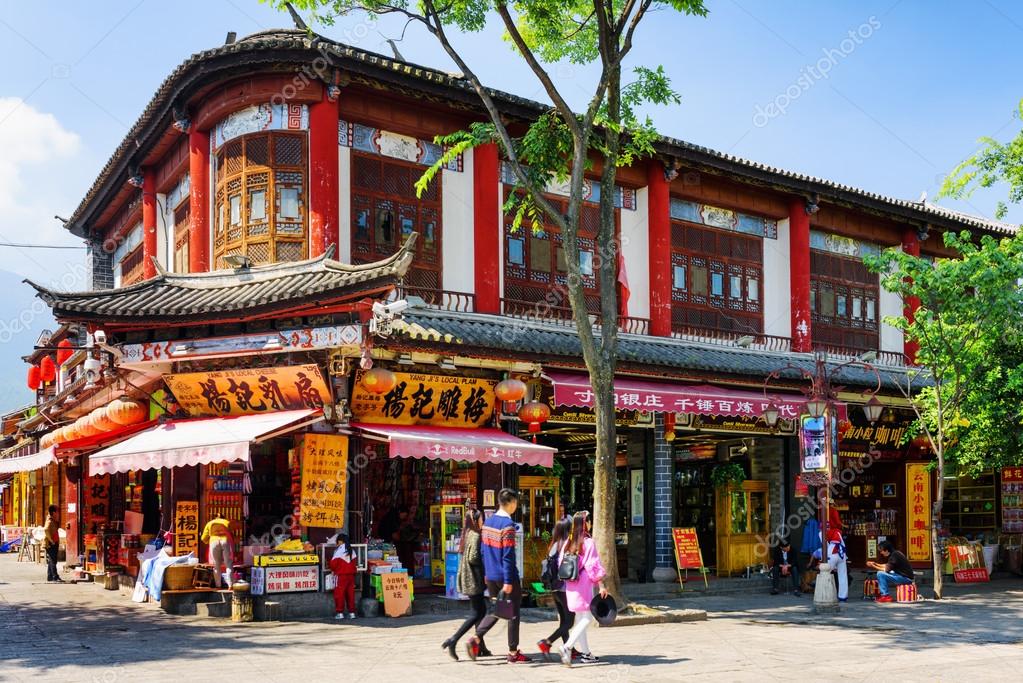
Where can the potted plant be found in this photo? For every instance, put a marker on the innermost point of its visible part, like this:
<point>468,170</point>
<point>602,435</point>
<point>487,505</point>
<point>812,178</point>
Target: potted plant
<point>727,473</point>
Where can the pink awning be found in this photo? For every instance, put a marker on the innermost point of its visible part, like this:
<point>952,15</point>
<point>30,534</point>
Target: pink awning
<point>455,443</point>
<point>573,389</point>
<point>202,441</point>
<point>28,463</point>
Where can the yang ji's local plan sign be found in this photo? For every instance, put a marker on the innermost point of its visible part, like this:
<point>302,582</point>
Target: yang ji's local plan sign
<point>418,399</point>
<point>324,480</point>
<point>246,391</point>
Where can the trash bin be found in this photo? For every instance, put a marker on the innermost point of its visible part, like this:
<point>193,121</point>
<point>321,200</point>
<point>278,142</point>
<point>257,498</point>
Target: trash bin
<point>990,553</point>
<point>1014,559</point>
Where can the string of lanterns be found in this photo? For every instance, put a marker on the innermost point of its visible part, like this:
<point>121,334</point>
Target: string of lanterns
<point>45,371</point>
<point>118,413</point>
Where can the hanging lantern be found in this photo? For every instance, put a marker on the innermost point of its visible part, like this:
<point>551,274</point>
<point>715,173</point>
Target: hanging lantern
<point>379,380</point>
<point>843,427</point>
<point>125,412</point>
<point>510,390</point>
<point>64,351</point>
<point>100,422</point>
<point>534,414</point>
<point>71,433</point>
<point>85,427</point>
<point>47,369</point>
<point>46,441</point>
<point>33,380</point>
<point>921,442</point>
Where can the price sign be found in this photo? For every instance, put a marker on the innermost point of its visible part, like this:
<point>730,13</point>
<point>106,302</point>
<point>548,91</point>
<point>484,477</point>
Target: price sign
<point>395,588</point>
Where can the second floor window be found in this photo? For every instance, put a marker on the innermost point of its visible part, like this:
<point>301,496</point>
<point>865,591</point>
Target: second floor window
<point>181,233</point>
<point>843,302</point>
<point>131,267</point>
<point>260,208</point>
<point>386,210</point>
<point>717,279</point>
<point>535,270</point>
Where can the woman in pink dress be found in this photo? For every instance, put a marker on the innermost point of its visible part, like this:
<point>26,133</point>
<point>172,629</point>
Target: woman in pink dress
<point>579,593</point>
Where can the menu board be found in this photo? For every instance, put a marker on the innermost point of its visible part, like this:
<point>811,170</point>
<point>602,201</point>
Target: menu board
<point>324,480</point>
<point>687,548</point>
<point>1012,500</point>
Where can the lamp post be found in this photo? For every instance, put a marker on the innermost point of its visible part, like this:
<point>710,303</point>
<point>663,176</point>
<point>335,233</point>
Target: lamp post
<point>821,402</point>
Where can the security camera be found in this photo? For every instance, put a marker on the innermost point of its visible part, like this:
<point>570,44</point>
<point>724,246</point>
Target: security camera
<point>100,337</point>
<point>93,369</point>
<point>390,309</point>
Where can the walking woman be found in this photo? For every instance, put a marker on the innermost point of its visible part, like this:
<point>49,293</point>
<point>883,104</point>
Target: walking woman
<point>559,537</point>
<point>579,592</point>
<point>470,581</point>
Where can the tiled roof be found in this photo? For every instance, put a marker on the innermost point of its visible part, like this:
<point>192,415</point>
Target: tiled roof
<point>248,291</point>
<point>299,47</point>
<point>543,341</point>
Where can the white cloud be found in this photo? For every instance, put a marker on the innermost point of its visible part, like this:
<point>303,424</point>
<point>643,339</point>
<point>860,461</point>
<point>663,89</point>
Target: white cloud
<point>35,152</point>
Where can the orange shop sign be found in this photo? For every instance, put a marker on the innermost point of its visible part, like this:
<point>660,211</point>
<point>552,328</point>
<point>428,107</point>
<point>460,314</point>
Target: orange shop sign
<point>324,480</point>
<point>918,512</point>
<point>250,390</point>
<point>418,399</point>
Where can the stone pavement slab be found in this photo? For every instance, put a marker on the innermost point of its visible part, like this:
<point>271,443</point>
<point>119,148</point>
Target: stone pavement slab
<point>82,633</point>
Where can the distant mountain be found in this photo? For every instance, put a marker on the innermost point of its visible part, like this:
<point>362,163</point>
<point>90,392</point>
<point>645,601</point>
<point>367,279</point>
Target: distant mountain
<point>23,316</point>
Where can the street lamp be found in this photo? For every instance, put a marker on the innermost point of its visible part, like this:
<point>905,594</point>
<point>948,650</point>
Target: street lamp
<point>816,406</point>
<point>771,415</point>
<point>873,409</point>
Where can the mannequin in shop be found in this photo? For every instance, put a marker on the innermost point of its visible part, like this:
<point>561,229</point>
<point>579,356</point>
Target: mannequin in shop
<point>217,534</point>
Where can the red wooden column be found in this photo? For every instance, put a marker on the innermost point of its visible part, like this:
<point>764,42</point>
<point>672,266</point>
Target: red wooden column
<point>910,245</point>
<point>199,201</point>
<point>324,214</point>
<point>799,275</point>
<point>659,230</point>
<point>486,228</point>
<point>148,223</point>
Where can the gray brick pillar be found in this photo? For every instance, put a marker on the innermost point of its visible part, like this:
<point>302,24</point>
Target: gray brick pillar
<point>664,505</point>
<point>99,266</point>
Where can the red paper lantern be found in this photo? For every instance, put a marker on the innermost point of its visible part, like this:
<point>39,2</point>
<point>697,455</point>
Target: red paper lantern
<point>33,380</point>
<point>379,380</point>
<point>47,369</point>
<point>64,351</point>
<point>510,390</point>
<point>125,412</point>
<point>844,426</point>
<point>534,414</point>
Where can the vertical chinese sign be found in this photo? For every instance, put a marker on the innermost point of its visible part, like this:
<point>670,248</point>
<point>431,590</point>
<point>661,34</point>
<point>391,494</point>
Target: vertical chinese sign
<point>186,527</point>
<point>813,447</point>
<point>918,512</point>
<point>324,460</point>
<point>1012,500</point>
<point>97,502</point>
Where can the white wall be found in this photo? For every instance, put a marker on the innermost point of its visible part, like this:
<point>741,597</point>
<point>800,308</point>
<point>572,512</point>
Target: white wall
<point>458,238</point>
<point>344,185</point>
<point>636,250</point>
<point>890,305</point>
<point>777,286</point>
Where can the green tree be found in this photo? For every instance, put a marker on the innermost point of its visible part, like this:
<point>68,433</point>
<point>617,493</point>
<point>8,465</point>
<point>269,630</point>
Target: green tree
<point>970,308</point>
<point>560,146</point>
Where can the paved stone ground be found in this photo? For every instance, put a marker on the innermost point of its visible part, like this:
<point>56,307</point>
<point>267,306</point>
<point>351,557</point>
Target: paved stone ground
<point>82,633</point>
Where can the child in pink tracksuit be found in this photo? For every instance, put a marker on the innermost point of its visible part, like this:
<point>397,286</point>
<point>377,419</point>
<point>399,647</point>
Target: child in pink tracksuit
<point>579,593</point>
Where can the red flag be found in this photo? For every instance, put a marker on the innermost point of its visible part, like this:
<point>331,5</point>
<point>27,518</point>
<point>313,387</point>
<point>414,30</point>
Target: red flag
<point>623,282</point>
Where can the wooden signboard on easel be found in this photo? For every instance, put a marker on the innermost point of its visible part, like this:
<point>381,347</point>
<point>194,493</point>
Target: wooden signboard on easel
<point>397,599</point>
<point>687,553</point>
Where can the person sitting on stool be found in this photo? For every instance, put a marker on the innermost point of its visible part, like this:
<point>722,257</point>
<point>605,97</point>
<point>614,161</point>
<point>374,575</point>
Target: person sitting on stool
<point>895,572</point>
<point>785,565</point>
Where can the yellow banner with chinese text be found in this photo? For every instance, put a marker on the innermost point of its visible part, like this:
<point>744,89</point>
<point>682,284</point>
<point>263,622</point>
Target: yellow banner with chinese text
<point>918,512</point>
<point>186,527</point>
<point>249,390</point>
<point>324,480</point>
<point>418,399</point>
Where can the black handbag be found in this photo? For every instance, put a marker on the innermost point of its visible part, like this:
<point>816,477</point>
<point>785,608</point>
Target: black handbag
<point>504,608</point>
<point>568,569</point>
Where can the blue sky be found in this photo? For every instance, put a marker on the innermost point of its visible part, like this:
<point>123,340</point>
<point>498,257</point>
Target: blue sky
<point>899,106</point>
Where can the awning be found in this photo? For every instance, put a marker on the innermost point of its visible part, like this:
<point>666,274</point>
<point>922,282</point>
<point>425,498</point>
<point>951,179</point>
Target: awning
<point>573,389</point>
<point>455,443</point>
<point>182,443</point>
<point>28,463</point>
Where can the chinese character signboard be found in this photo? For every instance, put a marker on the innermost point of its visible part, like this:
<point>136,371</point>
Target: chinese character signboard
<point>324,480</point>
<point>687,552</point>
<point>186,527</point>
<point>427,400</point>
<point>1012,500</point>
<point>813,443</point>
<point>918,512</point>
<point>967,563</point>
<point>395,588</point>
<point>97,501</point>
<point>248,391</point>
<point>291,579</point>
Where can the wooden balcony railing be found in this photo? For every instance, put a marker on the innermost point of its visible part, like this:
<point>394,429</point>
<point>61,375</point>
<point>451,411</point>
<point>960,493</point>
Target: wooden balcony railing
<point>887,358</point>
<point>750,340</point>
<point>441,299</point>
<point>562,315</point>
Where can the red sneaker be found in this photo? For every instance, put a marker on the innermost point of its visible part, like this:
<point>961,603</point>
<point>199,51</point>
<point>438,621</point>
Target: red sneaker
<point>518,657</point>
<point>472,648</point>
<point>544,647</point>
<point>884,598</point>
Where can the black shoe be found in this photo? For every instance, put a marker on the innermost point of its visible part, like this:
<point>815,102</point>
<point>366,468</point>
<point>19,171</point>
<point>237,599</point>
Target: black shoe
<point>774,591</point>
<point>449,645</point>
<point>483,651</point>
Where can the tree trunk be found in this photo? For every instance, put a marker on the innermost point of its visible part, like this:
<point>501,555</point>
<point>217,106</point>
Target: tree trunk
<point>605,481</point>
<point>939,499</point>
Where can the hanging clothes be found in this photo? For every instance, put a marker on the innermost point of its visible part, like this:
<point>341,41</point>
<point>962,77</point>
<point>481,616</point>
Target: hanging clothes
<point>811,537</point>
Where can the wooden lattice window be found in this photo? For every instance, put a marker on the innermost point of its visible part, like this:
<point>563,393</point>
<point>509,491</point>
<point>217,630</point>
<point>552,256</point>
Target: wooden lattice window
<point>535,271</point>
<point>843,302</point>
<point>131,267</point>
<point>717,279</point>
<point>181,233</point>
<point>386,210</point>
<point>261,198</point>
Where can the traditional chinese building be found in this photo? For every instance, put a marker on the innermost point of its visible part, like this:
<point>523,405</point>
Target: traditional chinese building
<point>264,201</point>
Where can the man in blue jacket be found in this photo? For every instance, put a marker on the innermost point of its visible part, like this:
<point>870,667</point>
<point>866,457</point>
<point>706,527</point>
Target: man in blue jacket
<point>502,573</point>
